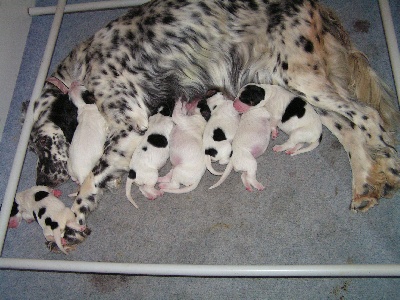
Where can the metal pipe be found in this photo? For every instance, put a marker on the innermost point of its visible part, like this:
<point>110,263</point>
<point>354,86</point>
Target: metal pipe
<point>27,127</point>
<point>391,41</point>
<point>36,11</point>
<point>384,270</point>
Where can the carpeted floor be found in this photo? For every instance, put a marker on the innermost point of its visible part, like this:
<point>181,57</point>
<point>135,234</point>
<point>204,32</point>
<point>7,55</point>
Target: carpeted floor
<point>302,217</point>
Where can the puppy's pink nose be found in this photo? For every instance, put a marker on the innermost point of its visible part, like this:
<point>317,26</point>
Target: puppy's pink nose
<point>240,106</point>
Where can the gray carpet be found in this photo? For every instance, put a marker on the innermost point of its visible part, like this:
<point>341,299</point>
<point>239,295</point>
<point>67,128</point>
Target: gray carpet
<point>302,217</point>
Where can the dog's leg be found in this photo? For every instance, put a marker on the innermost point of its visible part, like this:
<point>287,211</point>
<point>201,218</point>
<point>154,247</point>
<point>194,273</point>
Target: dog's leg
<point>249,177</point>
<point>375,174</point>
<point>364,137</point>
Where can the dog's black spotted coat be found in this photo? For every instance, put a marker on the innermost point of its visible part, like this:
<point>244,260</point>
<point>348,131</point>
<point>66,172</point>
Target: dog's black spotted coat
<point>164,50</point>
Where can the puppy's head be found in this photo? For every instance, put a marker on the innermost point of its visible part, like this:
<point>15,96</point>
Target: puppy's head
<point>250,95</point>
<point>55,121</point>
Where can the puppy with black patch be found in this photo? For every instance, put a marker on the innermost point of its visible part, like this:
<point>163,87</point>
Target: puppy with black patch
<point>250,141</point>
<point>219,131</point>
<point>40,203</point>
<point>186,151</point>
<point>290,113</point>
<point>150,156</point>
<point>87,144</point>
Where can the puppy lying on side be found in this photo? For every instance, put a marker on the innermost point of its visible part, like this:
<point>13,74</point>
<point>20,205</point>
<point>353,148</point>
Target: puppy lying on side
<point>87,144</point>
<point>219,131</point>
<point>39,203</point>
<point>290,113</point>
<point>250,141</point>
<point>186,150</point>
<point>150,156</point>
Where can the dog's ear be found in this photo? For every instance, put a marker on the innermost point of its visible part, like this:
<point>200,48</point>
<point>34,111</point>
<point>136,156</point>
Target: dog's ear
<point>165,111</point>
<point>88,97</point>
<point>204,109</point>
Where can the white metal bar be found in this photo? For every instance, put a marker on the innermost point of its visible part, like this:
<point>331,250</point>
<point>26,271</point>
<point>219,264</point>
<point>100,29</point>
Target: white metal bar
<point>35,11</point>
<point>391,41</point>
<point>384,270</point>
<point>27,127</point>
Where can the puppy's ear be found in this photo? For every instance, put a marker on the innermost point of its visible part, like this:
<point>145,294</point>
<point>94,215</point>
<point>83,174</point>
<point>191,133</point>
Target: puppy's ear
<point>204,109</point>
<point>88,97</point>
<point>165,111</point>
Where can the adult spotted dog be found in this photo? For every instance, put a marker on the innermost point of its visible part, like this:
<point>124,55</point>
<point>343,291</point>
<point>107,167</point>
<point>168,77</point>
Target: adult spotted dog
<point>164,50</point>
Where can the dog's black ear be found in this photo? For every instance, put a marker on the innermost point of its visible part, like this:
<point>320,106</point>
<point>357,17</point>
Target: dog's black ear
<point>165,111</point>
<point>88,97</point>
<point>204,109</point>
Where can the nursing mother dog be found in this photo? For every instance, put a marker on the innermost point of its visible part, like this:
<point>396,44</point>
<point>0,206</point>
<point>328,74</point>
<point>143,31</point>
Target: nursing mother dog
<point>163,50</point>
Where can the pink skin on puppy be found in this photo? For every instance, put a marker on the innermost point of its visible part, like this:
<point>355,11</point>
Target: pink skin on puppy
<point>250,141</point>
<point>186,150</point>
<point>290,113</point>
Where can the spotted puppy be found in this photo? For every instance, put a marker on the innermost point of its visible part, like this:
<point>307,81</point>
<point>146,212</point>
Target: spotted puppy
<point>90,135</point>
<point>150,156</point>
<point>250,141</point>
<point>39,203</point>
<point>290,113</point>
<point>219,131</point>
<point>186,151</point>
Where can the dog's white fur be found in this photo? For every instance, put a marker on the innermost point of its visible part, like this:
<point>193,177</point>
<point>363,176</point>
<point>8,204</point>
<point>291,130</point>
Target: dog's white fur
<point>307,129</point>
<point>88,142</point>
<point>250,141</point>
<point>55,211</point>
<point>224,117</point>
<point>186,150</point>
<point>148,159</point>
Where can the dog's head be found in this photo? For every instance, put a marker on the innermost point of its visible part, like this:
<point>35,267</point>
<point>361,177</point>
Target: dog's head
<point>55,121</point>
<point>250,95</point>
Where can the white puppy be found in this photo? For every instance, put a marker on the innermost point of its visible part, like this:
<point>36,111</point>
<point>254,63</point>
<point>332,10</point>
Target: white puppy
<point>150,156</point>
<point>250,141</point>
<point>39,203</point>
<point>290,113</point>
<point>219,131</point>
<point>186,151</point>
<point>90,135</point>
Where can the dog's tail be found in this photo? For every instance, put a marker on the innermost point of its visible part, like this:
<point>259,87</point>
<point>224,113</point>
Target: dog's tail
<point>57,239</point>
<point>128,188</point>
<point>183,190</point>
<point>210,167</point>
<point>349,70</point>
<point>227,171</point>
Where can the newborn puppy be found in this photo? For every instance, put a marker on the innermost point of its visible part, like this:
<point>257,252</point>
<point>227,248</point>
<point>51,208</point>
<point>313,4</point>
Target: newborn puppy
<point>87,144</point>
<point>219,131</point>
<point>250,141</point>
<point>150,156</point>
<point>186,150</point>
<point>290,113</point>
<point>39,203</point>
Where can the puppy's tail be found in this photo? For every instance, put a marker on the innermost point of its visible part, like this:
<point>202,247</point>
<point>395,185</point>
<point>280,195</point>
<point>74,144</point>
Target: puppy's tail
<point>227,171</point>
<point>57,239</point>
<point>183,190</point>
<point>128,188</point>
<point>210,167</point>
